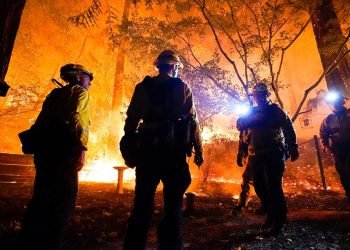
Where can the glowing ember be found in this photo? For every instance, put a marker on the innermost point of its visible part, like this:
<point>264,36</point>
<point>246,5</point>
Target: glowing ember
<point>223,180</point>
<point>101,170</point>
<point>235,197</point>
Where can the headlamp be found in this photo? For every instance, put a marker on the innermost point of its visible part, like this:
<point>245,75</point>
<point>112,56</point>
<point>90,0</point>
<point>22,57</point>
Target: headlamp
<point>332,97</point>
<point>242,109</point>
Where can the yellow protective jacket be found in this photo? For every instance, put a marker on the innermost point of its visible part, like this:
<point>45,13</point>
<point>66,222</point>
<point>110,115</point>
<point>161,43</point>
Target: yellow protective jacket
<point>178,96</point>
<point>65,113</point>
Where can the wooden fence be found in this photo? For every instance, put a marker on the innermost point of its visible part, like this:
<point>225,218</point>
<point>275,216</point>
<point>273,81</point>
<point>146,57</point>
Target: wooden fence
<point>15,168</point>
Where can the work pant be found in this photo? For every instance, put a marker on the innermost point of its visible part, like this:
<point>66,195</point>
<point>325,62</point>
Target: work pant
<point>268,171</point>
<point>342,165</point>
<point>53,201</point>
<point>247,180</point>
<point>173,171</point>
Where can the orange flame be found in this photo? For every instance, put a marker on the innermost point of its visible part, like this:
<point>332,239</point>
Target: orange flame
<point>101,170</point>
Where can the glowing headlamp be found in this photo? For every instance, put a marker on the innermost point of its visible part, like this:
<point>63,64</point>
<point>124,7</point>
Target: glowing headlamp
<point>242,109</point>
<point>334,97</point>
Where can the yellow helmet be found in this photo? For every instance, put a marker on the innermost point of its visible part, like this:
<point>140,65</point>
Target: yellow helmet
<point>168,57</point>
<point>69,71</point>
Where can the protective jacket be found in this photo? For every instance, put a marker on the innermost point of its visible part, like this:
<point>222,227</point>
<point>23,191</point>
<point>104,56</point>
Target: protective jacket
<point>335,130</point>
<point>156,102</point>
<point>269,128</point>
<point>63,122</point>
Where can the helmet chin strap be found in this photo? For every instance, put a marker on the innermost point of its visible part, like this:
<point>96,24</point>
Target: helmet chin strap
<point>175,71</point>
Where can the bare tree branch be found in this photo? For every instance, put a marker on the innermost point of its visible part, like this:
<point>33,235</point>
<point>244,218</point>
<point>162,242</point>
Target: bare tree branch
<point>203,9</point>
<point>287,47</point>
<point>228,91</point>
<point>340,56</point>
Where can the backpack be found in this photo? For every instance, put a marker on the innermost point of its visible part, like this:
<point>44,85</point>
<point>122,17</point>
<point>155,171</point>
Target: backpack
<point>51,131</point>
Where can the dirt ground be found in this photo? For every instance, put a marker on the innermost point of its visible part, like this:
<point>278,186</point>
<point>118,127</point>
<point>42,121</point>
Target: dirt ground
<point>316,220</point>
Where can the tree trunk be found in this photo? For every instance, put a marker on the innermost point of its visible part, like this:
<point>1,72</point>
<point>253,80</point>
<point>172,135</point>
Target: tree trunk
<point>118,90</point>
<point>329,37</point>
<point>10,17</point>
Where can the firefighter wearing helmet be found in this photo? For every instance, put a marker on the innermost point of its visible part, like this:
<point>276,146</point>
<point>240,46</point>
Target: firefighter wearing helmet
<point>271,139</point>
<point>335,137</point>
<point>168,132</point>
<point>59,140</point>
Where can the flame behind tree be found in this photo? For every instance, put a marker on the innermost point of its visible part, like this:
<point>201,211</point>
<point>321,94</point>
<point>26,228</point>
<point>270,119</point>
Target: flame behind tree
<point>252,37</point>
<point>118,86</point>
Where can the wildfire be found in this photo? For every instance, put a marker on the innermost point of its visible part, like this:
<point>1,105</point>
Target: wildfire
<point>224,180</point>
<point>101,170</point>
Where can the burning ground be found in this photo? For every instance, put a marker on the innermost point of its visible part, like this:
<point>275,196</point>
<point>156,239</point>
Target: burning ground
<point>317,220</point>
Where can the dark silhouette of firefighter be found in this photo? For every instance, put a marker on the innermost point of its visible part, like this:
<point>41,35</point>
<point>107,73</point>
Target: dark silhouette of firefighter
<point>162,118</point>
<point>271,139</point>
<point>247,176</point>
<point>335,137</point>
<point>58,140</point>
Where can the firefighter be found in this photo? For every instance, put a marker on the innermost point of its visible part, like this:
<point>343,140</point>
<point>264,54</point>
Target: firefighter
<point>335,137</point>
<point>165,105</point>
<point>247,177</point>
<point>60,139</point>
<point>271,137</point>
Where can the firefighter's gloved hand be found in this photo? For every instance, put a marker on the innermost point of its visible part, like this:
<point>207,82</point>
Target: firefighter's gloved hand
<point>240,160</point>
<point>294,153</point>
<point>327,150</point>
<point>81,161</point>
<point>198,159</point>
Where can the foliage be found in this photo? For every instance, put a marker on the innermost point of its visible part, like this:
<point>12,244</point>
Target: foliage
<point>20,100</point>
<point>227,46</point>
<point>216,154</point>
<point>245,42</point>
<point>89,17</point>
<point>110,22</point>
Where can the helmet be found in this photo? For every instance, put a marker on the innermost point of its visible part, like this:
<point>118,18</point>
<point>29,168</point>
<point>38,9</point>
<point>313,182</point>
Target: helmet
<point>130,147</point>
<point>69,71</point>
<point>261,88</point>
<point>168,57</point>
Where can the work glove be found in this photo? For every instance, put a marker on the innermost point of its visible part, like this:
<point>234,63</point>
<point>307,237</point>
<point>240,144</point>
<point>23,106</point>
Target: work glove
<point>294,153</point>
<point>240,160</point>
<point>198,158</point>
